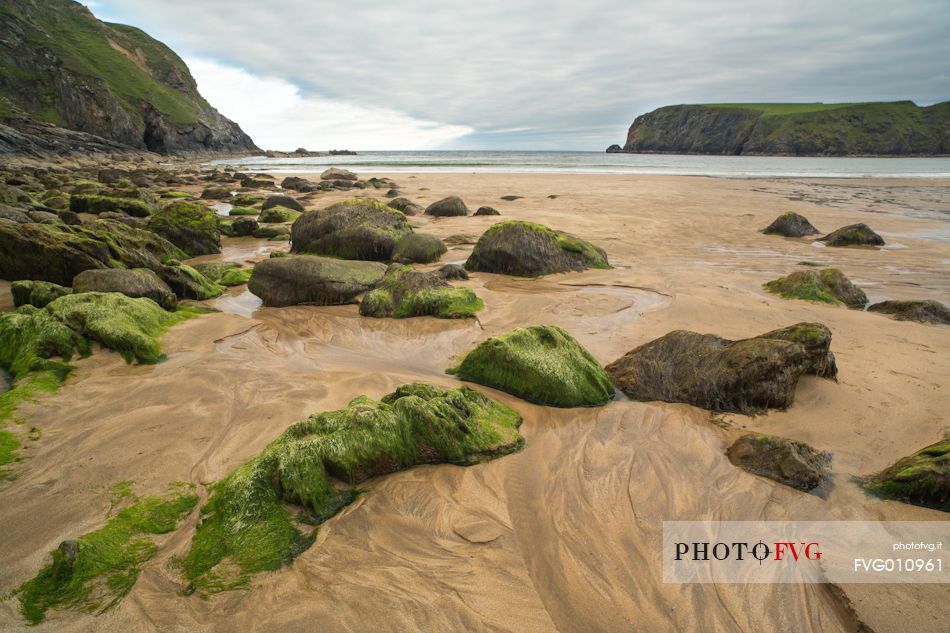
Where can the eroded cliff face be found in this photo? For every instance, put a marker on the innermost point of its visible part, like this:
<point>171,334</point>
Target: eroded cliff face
<point>899,128</point>
<point>60,65</point>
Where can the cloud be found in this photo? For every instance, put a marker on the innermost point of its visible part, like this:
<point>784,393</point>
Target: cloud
<point>575,75</point>
<point>277,116</point>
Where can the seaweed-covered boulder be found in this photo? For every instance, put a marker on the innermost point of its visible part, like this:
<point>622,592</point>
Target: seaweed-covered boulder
<point>408,207</point>
<point>282,201</point>
<point>273,232</point>
<point>790,224</point>
<point>59,252</point>
<point>452,271</point>
<point>310,279</point>
<point>541,364</point>
<point>419,248</point>
<point>745,376</point>
<point>216,193</point>
<point>214,270</point>
<point>786,461</point>
<point>125,325</point>
<point>527,249</point>
<point>44,217</point>
<point>252,520</point>
<point>352,229</point>
<point>404,292</point>
<point>244,226</point>
<point>853,235</point>
<point>828,285</point>
<point>36,293</point>
<point>277,214</point>
<point>235,277</point>
<point>487,211</point>
<point>243,211</point>
<point>928,311</point>
<point>447,207</point>
<point>188,283</point>
<point>335,173</point>
<point>135,282</point>
<point>100,204</point>
<point>922,479</point>
<point>14,215</point>
<point>191,227</point>
<point>30,337</point>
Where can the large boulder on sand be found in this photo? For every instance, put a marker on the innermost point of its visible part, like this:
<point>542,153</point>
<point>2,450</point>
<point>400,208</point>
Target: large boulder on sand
<point>59,252</point>
<point>922,478</point>
<point>780,459</point>
<point>541,364</point>
<point>928,311</point>
<point>191,227</point>
<point>527,249</point>
<point>853,235</point>
<point>418,248</point>
<point>282,201</point>
<point>744,376</point>
<point>828,286</point>
<point>790,224</point>
<point>137,282</point>
<point>352,229</point>
<point>405,292</point>
<point>284,281</point>
<point>405,205</point>
<point>335,173</point>
<point>447,207</point>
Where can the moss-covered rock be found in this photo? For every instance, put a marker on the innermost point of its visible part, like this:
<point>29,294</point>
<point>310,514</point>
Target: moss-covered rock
<point>253,518</point>
<point>30,337</point>
<point>235,277</point>
<point>828,285</point>
<point>310,279</point>
<point>275,215</point>
<point>246,200</point>
<point>128,326</point>
<point>36,293</point>
<point>191,227</point>
<point>419,248</point>
<point>853,235</point>
<point>99,204</point>
<point>135,282</point>
<point>12,214</point>
<point>94,572</point>
<point>447,207</point>
<point>452,271</point>
<point>922,479</point>
<point>287,202</point>
<point>527,249</point>
<point>188,283</point>
<point>406,206</point>
<point>216,193</point>
<point>404,292</point>
<point>214,270</point>
<point>237,211</point>
<point>541,364</point>
<point>786,461</point>
<point>354,229</point>
<point>922,311</point>
<point>744,376</point>
<point>242,227</point>
<point>272,232</point>
<point>790,224</point>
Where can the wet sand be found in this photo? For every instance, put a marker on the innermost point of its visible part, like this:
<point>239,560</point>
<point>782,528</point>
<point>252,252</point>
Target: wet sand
<point>564,535</point>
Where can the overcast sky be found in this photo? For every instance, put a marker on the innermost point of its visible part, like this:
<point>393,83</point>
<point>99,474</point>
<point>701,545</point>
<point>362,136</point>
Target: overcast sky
<point>531,74</point>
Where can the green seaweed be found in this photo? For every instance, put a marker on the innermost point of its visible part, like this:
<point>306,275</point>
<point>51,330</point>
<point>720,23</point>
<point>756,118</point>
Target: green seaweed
<point>243,211</point>
<point>922,478</point>
<point>94,572</point>
<point>404,292</point>
<point>801,286</point>
<point>101,204</point>
<point>235,276</point>
<point>256,518</point>
<point>541,364</point>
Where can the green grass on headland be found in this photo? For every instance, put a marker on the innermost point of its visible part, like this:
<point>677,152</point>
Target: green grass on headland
<point>783,108</point>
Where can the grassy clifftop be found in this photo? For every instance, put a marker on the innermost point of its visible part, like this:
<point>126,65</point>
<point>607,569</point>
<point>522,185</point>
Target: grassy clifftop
<point>61,65</point>
<point>832,129</point>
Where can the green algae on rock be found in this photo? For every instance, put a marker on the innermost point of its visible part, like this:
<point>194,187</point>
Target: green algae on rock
<point>100,204</point>
<point>95,571</point>
<point>188,283</point>
<point>404,292</point>
<point>745,376</point>
<point>135,282</point>
<point>418,248</point>
<point>853,235</point>
<point>541,364</point>
<point>255,518</point>
<point>922,479</point>
<point>353,229</point>
<point>273,215</point>
<point>828,285</point>
<point>235,277</point>
<point>786,461</point>
<point>190,226</point>
<point>36,293</point>
<point>526,249</point>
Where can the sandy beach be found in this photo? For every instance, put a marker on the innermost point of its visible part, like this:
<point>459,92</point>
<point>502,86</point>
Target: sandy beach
<point>564,535</point>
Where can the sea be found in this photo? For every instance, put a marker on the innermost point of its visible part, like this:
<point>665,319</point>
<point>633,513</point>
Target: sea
<point>604,163</point>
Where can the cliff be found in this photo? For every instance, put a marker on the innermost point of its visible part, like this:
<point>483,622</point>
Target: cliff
<point>60,65</point>
<point>796,129</point>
